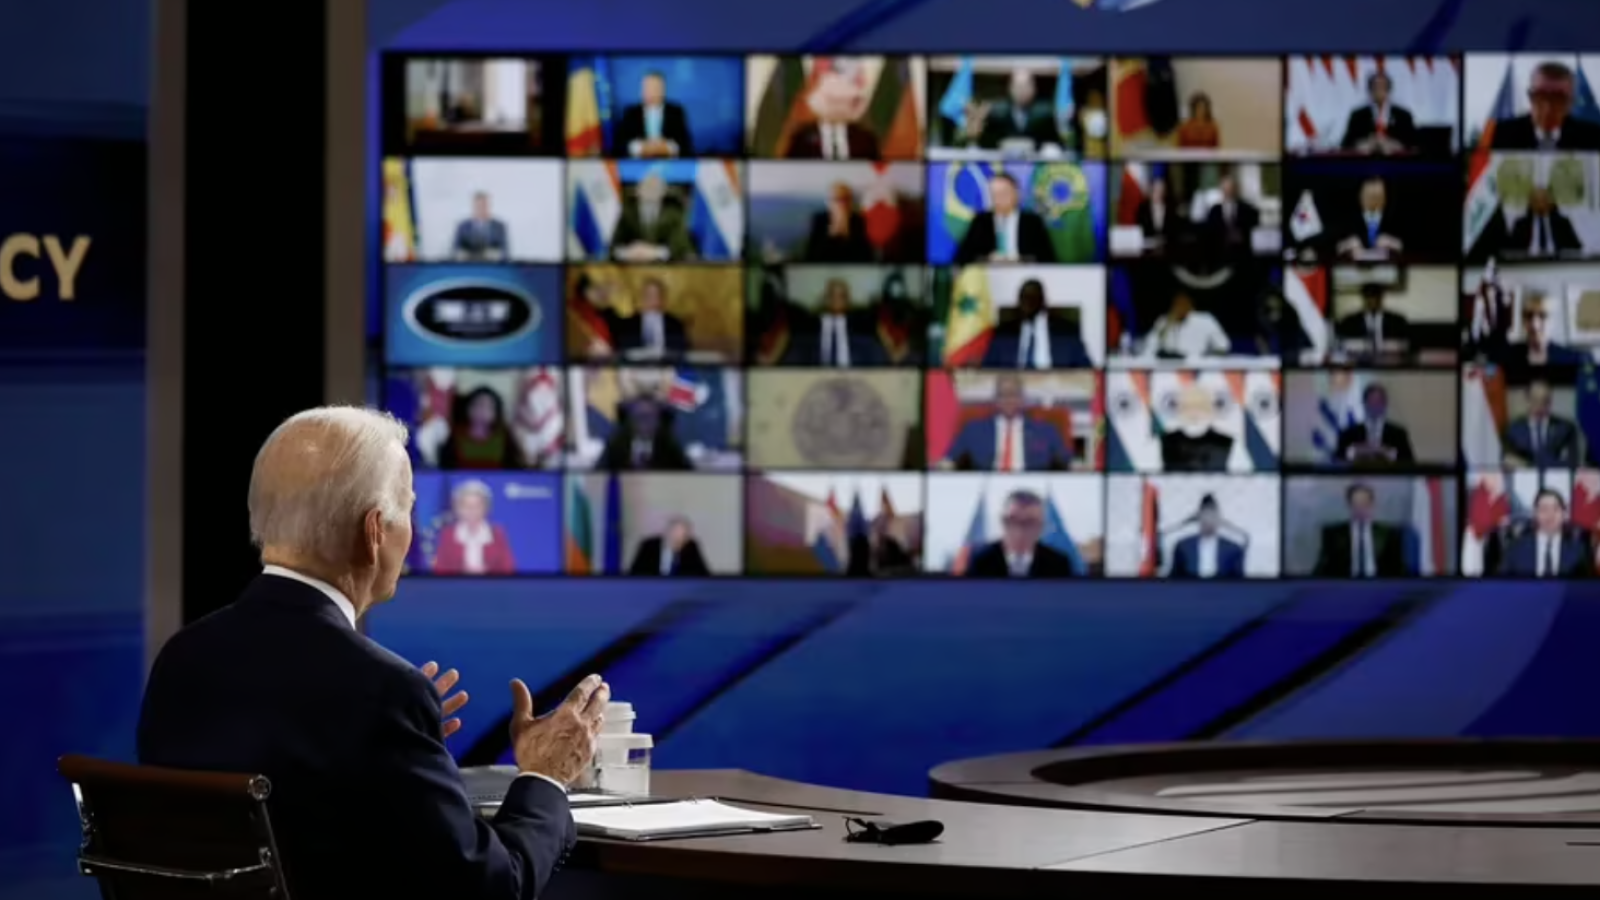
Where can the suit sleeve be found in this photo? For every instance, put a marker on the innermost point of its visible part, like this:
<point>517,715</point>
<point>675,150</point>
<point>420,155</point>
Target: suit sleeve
<point>448,844</point>
<point>1327,567</point>
<point>1403,452</point>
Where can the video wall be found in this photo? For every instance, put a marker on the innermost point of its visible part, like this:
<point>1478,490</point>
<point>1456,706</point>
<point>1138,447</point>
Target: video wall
<point>906,316</point>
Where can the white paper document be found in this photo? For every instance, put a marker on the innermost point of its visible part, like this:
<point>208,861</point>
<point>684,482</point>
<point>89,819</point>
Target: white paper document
<point>681,818</point>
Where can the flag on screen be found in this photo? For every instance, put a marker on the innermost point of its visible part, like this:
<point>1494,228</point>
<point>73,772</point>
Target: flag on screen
<point>1339,408</point>
<point>771,322</point>
<point>942,412</point>
<point>798,111</point>
<point>588,106</point>
<point>1057,538</point>
<point>825,534</point>
<point>716,218</point>
<point>977,536</point>
<point>1306,222</point>
<point>966,193</point>
<point>958,95</point>
<point>892,111</point>
<point>590,321</point>
<point>880,206</point>
<point>1130,81</point>
<point>1122,316</point>
<point>1425,539</point>
<point>1584,106</point>
<point>893,298</point>
<point>1305,290</point>
<point>579,530</point>
<point>969,324</point>
<point>856,526</point>
<point>1589,410</point>
<point>1483,409</point>
<point>886,506</point>
<point>1060,194</point>
<point>540,417</point>
<point>399,225</point>
<point>1066,106</point>
<point>596,200</point>
<point>779,93</point>
<point>1150,531</point>
<point>1586,500</point>
<point>1488,506</point>
<point>1483,190</point>
<point>687,391</point>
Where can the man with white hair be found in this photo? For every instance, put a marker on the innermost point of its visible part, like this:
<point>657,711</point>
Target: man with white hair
<point>367,802</point>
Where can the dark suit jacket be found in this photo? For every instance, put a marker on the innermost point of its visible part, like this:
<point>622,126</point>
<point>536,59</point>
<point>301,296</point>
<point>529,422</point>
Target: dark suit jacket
<point>627,332</point>
<point>1363,124</point>
<point>366,800</point>
<point>1033,239</point>
<point>1206,453</point>
<point>666,454</point>
<point>674,127</point>
<point>1039,124</point>
<point>854,247</point>
<point>1171,224</point>
<point>1396,328</point>
<point>1043,448</point>
<point>1246,218</point>
<point>1560,446</point>
<point>1066,347</point>
<point>670,229</point>
<point>990,562</point>
<point>1562,235</point>
<point>1186,559</point>
<point>861,330</point>
<point>689,563</point>
<point>1395,437</point>
<point>888,558</point>
<point>1356,227</point>
<point>806,142</point>
<point>1522,560</point>
<point>1336,558</point>
<point>474,242</point>
<point>1519,134</point>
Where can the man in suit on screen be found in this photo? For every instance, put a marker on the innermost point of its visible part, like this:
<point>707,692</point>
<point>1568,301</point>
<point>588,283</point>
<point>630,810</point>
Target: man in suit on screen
<point>655,127</point>
<point>840,336</point>
<point>481,238</point>
<point>1020,116</point>
<point>1543,231</point>
<point>643,441</point>
<point>653,226</point>
<point>284,684</point>
<point>1377,441</point>
<point>838,233</point>
<point>1196,445</point>
<point>1551,549</point>
<point>1207,554</point>
<point>1372,233</point>
<point>1008,441</point>
<point>1549,123</point>
<point>1230,223</point>
<point>838,101</point>
<point>651,333</point>
<point>1033,339</point>
<point>1019,553</point>
<point>1380,127</point>
<point>1540,439</point>
<point>674,552</point>
<point>1374,332</point>
<point>1006,232</point>
<point>1360,547</point>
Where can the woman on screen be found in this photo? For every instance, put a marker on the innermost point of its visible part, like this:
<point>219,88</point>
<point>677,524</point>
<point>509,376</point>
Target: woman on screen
<point>1199,131</point>
<point>479,438</point>
<point>470,544</point>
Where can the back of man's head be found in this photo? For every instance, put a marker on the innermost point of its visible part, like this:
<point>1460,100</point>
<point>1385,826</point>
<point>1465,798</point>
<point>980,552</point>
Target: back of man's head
<point>318,476</point>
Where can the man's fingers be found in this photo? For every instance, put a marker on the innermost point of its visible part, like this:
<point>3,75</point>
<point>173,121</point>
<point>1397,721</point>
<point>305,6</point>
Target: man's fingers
<point>429,669</point>
<point>451,726</point>
<point>594,710</point>
<point>453,703</point>
<point>579,698</point>
<point>445,682</point>
<point>521,701</point>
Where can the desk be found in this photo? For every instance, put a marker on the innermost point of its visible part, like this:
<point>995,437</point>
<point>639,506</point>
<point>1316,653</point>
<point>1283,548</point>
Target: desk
<point>997,852</point>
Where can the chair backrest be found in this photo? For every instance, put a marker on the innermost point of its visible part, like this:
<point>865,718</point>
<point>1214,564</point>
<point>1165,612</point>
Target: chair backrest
<point>166,834</point>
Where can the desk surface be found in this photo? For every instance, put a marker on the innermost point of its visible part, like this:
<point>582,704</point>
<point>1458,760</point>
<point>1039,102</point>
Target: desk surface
<point>1005,851</point>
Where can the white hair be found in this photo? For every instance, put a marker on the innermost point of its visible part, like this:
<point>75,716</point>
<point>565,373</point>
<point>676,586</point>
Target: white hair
<point>320,473</point>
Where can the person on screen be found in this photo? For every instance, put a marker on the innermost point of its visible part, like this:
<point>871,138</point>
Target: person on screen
<point>1492,316</point>
<point>1543,231</point>
<point>651,333</point>
<point>480,437</point>
<point>1371,233</point>
<point>673,553</point>
<point>1008,441</point>
<point>1360,547</point>
<point>482,237</point>
<point>655,127</point>
<point>1032,340</point>
<point>1380,127</point>
<point>1196,445</point>
<point>469,543</point>
<point>1200,131</point>
<point>1019,553</point>
<point>1538,349</point>
<point>1021,116</point>
<point>1376,441</point>
<point>1207,554</point>
<point>1374,331</point>
<point>643,441</point>
<point>1230,223</point>
<point>878,552</point>
<point>653,226</point>
<point>1540,439</point>
<point>839,233</point>
<point>838,101</point>
<point>1006,232</point>
<point>1551,550</point>
<point>1156,216</point>
<point>1185,333</point>
<point>1549,123</point>
<point>841,337</point>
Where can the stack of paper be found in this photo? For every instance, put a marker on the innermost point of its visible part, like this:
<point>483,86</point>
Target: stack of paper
<point>680,818</point>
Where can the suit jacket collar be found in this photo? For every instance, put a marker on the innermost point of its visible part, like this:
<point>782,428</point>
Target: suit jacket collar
<point>295,595</point>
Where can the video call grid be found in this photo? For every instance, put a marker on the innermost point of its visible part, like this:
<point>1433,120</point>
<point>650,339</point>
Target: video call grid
<point>1302,262</point>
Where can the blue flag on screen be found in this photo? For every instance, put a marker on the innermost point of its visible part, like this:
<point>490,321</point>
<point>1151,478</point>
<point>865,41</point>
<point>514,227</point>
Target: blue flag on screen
<point>1058,539</point>
<point>1589,410</point>
<point>856,525</point>
<point>1584,106</point>
<point>1065,106</point>
<point>613,564</point>
<point>958,95</point>
<point>700,399</point>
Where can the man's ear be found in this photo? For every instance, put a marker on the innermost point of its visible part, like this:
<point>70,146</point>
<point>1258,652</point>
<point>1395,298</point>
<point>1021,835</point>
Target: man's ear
<point>374,535</point>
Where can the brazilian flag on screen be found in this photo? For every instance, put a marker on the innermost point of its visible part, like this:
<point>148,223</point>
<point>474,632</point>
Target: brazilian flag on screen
<point>1060,192</point>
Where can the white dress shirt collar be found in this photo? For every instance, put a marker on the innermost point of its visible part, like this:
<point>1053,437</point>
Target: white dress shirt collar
<point>1019,564</point>
<point>1206,551</point>
<point>328,590</point>
<point>1036,342</point>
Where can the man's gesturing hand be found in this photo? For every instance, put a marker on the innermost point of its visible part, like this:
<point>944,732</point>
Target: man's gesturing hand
<point>449,704</point>
<point>561,744</point>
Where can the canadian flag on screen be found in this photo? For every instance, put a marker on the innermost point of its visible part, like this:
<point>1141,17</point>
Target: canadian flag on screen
<point>1306,223</point>
<point>881,208</point>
